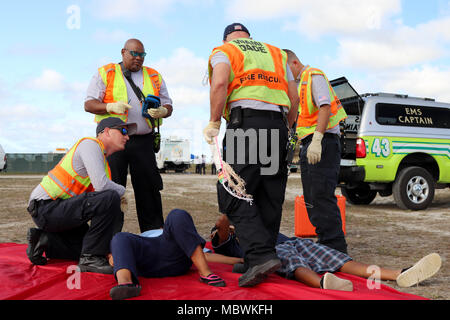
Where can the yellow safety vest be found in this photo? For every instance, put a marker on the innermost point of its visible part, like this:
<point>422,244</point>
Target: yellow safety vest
<point>63,182</point>
<point>116,89</point>
<point>308,111</point>
<point>258,72</point>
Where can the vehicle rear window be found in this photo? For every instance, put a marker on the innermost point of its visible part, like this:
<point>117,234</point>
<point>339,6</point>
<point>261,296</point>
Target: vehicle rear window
<point>350,99</point>
<point>412,115</point>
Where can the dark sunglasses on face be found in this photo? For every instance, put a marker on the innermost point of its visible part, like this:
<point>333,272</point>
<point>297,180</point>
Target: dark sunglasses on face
<point>122,130</point>
<point>137,54</point>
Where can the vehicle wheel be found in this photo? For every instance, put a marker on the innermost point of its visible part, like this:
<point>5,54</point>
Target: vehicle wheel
<point>413,189</point>
<point>360,195</point>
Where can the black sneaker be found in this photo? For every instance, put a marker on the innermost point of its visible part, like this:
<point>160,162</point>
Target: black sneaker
<point>96,264</point>
<point>37,243</point>
<point>125,291</point>
<point>258,273</point>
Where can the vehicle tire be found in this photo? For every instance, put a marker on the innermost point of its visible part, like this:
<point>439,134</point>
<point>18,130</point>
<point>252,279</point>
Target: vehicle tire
<point>360,195</point>
<point>413,188</point>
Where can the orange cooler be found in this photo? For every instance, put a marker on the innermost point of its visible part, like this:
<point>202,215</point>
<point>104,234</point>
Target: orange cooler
<point>303,227</point>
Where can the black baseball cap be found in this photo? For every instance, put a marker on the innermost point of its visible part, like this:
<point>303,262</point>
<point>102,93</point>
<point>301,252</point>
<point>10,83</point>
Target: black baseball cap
<point>234,27</point>
<point>114,122</point>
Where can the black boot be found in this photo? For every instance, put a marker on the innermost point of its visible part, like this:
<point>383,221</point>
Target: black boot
<point>37,243</point>
<point>93,263</point>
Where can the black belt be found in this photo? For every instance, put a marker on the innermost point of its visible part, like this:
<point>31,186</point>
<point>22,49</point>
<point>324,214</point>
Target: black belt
<point>326,135</point>
<point>248,113</point>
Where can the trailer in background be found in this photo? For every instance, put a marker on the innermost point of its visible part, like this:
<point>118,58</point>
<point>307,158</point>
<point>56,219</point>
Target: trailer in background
<point>174,154</point>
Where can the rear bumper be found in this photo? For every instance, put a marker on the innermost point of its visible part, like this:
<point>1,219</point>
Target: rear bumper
<point>351,173</point>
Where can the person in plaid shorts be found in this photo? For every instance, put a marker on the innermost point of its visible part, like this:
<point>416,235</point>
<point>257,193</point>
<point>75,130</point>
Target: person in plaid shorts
<point>304,260</point>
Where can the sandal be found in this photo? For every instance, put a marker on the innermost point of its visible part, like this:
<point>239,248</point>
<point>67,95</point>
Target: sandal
<point>213,280</point>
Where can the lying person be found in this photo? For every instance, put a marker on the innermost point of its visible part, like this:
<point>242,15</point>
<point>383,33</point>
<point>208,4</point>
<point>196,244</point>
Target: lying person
<point>303,260</point>
<point>166,252</point>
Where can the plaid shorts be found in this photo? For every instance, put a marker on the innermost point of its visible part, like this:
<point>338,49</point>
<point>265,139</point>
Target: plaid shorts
<point>308,254</point>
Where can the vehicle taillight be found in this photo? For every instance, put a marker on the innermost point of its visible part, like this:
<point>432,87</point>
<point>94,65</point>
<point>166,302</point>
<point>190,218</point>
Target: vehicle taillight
<point>360,148</point>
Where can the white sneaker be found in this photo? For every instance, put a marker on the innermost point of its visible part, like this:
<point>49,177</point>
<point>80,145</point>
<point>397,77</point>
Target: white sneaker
<point>331,282</point>
<point>424,269</point>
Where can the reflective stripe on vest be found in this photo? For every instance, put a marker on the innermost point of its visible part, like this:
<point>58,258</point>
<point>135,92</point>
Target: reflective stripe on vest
<point>308,111</point>
<point>63,182</point>
<point>258,72</point>
<point>116,89</point>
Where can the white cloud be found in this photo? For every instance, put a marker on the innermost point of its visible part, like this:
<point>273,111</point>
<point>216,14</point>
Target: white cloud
<point>397,46</point>
<point>34,128</point>
<point>438,29</point>
<point>182,67</point>
<point>426,81</point>
<point>315,18</point>
<point>132,9</point>
<point>54,82</point>
<point>49,80</point>
<point>383,53</point>
<point>18,112</point>
<point>138,9</point>
<point>183,96</point>
<point>103,35</point>
<point>184,73</point>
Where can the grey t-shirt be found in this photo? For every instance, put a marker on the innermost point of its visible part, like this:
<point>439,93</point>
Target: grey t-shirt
<point>88,160</point>
<point>220,57</point>
<point>96,90</point>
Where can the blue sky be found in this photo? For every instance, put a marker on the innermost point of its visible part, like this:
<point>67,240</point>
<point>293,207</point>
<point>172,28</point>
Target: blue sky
<point>51,49</point>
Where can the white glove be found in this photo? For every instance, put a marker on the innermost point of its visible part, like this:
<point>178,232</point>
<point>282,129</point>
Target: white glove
<point>314,152</point>
<point>124,204</point>
<point>211,131</point>
<point>160,112</point>
<point>118,107</point>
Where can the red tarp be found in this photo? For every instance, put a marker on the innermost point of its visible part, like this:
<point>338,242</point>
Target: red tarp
<point>20,280</point>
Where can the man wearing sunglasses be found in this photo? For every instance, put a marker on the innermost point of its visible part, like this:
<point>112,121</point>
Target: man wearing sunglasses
<point>112,93</point>
<point>78,190</point>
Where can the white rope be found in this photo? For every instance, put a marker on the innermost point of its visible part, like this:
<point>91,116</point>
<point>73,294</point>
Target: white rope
<point>230,181</point>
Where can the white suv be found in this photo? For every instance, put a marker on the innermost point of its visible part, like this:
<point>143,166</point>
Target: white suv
<point>393,144</point>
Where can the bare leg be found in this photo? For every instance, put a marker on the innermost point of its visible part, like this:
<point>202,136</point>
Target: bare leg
<point>364,270</point>
<point>123,276</point>
<point>308,277</point>
<point>199,260</point>
<point>216,257</point>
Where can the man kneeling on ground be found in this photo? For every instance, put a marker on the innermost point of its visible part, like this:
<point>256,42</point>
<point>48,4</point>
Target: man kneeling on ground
<point>78,190</point>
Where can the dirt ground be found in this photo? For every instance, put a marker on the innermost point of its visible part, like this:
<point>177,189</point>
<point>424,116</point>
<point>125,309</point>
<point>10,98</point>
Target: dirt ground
<point>379,233</point>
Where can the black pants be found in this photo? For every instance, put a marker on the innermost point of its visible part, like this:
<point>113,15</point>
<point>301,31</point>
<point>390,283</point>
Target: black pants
<point>319,183</point>
<point>139,156</point>
<point>257,225</point>
<point>66,224</point>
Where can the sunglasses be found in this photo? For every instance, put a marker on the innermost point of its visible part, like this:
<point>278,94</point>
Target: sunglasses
<point>123,131</point>
<point>137,54</point>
